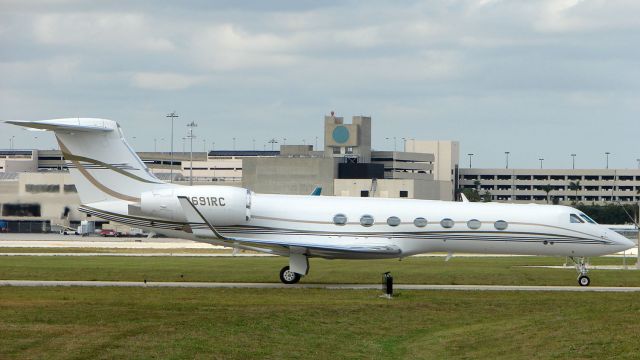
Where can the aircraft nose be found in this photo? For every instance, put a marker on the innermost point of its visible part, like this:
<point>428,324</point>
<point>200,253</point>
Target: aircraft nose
<point>622,242</point>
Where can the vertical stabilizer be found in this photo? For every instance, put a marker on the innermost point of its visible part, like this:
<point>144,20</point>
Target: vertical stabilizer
<point>101,162</point>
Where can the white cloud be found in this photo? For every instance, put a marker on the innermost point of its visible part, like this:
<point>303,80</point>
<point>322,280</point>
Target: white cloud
<point>104,31</point>
<point>164,81</point>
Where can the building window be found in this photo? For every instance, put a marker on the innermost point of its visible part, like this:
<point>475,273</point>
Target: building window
<point>420,222</point>
<point>70,188</point>
<point>366,220</point>
<point>393,221</point>
<point>474,224</point>
<point>501,225</point>
<point>364,193</point>
<point>340,219</point>
<point>21,210</point>
<point>404,194</point>
<point>447,223</point>
<point>42,188</point>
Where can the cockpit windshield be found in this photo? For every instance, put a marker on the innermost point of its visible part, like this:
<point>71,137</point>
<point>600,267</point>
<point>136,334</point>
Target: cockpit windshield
<point>588,219</point>
<point>575,219</point>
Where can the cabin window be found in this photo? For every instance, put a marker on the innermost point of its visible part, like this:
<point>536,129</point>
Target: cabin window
<point>588,219</point>
<point>366,220</point>
<point>393,221</point>
<point>420,222</point>
<point>575,219</point>
<point>501,225</point>
<point>340,219</point>
<point>447,223</point>
<point>474,224</point>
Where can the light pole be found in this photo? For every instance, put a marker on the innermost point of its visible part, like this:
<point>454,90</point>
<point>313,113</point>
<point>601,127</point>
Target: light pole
<point>638,160</point>
<point>404,144</point>
<point>234,143</point>
<point>155,144</point>
<point>541,161</point>
<point>190,135</point>
<point>284,141</point>
<point>11,142</point>
<point>394,142</point>
<point>213,146</point>
<point>172,115</point>
<point>254,144</point>
<point>470,156</point>
<point>316,146</point>
<point>506,153</point>
<point>573,161</point>
<point>204,146</point>
<point>607,155</point>
<point>273,141</point>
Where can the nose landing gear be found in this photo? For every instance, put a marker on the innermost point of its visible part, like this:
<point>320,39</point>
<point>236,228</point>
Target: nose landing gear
<point>581,268</point>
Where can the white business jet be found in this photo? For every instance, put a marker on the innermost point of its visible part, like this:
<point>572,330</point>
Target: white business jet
<point>114,184</point>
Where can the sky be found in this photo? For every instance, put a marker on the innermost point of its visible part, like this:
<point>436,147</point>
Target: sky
<point>537,78</point>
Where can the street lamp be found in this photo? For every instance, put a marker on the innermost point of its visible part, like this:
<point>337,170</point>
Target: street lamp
<point>470,155</point>
<point>394,142</point>
<point>638,160</point>
<point>190,135</point>
<point>541,160</point>
<point>506,153</point>
<point>607,155</point>
<point>254,144</point>
<point>573,160</point>
<point>273,141</point>
<point>404,144</point>
<point>172,115</point>
<point>234,143</point>
<point>316,145</point>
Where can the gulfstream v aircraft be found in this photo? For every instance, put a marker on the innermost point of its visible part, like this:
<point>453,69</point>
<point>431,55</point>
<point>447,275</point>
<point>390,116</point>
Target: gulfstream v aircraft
<point>114,184</point>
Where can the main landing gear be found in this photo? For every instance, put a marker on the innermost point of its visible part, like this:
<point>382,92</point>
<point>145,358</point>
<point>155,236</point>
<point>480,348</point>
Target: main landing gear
<point>581,267</point>
<point>298,267</point>
<point>289,277</point>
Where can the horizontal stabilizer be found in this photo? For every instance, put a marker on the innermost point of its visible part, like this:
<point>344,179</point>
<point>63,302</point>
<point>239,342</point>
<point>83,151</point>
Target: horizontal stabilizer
<point>67,125</point>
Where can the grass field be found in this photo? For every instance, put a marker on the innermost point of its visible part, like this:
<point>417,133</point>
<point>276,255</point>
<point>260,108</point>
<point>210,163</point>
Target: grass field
<point>135,323</point>
<point>416,270</point>
<point>140,323</point>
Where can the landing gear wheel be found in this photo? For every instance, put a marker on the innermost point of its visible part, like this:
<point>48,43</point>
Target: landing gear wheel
<point>584,280</point>
<point>289,277</point>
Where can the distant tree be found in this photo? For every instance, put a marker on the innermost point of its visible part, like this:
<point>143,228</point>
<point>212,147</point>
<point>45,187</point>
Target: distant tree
<point>613,214</point>
<point>477,185</point>
<point>547,189</point>
<point>575,186</point>
<point>472,195</point>
<point>486,197</point>
<point>555,200</point>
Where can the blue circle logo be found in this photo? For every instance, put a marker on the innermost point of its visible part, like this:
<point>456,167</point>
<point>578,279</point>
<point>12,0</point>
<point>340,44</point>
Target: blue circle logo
<point>340,134</point>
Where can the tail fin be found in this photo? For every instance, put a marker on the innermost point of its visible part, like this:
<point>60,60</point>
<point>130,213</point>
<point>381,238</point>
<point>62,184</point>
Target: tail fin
<point>102,164</point>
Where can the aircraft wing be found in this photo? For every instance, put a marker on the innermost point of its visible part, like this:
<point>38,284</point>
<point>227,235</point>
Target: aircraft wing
<point>312,246</point>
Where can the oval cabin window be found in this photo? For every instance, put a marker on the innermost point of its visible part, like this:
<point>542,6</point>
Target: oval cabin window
<point>393,221</point>
<point>447,223</point>
<point>474,224</point>
<point>420,222</point>
<point>340,219</point>
<point>366,220</point>
<point>501,225</point>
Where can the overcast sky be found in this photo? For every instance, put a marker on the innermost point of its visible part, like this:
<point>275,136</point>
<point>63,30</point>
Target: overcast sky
<point>538,78</point>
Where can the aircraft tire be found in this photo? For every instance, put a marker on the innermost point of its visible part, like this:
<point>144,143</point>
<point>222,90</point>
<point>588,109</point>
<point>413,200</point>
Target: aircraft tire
<point>584,280</point>
<point>289,277</point>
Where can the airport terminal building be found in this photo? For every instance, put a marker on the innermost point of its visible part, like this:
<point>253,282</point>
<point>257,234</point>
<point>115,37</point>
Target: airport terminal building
<point>37,192</point>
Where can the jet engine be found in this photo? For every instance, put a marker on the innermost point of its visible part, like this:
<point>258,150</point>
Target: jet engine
<point>220,205</point>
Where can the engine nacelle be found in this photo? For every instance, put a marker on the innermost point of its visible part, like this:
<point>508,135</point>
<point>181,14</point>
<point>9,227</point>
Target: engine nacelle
<point>220,205</point>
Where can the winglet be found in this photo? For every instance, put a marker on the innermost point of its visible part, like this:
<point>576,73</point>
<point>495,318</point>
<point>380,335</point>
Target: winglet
<point>195,217</point>
<point>463,197</point>
<point>316,191</point>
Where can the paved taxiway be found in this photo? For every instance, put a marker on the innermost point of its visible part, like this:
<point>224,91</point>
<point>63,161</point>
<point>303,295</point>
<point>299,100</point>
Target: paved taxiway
<point>39,283</point>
